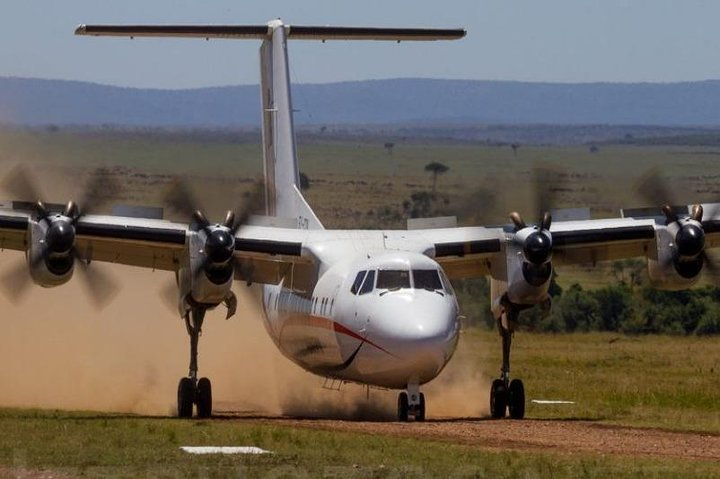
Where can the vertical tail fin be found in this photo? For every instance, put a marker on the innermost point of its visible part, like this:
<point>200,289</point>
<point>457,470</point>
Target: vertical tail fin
<point>282,177</point>
<point>282,174</point>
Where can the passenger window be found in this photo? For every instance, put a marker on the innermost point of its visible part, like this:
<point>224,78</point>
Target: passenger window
<point>369,283</point>
<point>358,281</point>
<point>393,279</point>
<point>427,279</point>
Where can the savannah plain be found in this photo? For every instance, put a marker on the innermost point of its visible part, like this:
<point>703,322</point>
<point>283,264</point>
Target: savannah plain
<point>89,393</point>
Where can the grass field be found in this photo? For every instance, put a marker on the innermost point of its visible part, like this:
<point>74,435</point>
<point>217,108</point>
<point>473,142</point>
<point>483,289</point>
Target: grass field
<point>665,382</point>
<point>660,382</point>
<point>352,180</point>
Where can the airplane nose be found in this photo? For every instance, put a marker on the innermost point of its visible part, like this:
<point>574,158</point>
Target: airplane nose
<point>420,328</point>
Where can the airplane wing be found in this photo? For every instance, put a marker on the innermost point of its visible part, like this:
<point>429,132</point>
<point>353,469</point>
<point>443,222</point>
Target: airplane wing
<point>470,252</point>
<point>267,252</point>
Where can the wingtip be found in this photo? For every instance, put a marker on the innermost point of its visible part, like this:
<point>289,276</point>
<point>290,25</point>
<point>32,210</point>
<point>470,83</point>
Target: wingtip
<point>81,29</point>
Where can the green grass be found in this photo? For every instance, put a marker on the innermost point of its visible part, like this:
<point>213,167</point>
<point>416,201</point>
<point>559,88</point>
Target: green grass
<point>92,445</point>
<point>668,382</point>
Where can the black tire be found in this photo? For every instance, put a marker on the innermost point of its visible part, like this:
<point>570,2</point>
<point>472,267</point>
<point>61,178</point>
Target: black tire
<point>420,413</point>
<point>204,398</point>
<point>185,398</point>
<point>516,399</point>
<point>498,399</point>
<point>403,407</point>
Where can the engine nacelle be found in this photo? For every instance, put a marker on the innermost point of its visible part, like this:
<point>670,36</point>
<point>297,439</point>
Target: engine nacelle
<point>199,281</point>
<point>518,281</point>
<point>674,266</point>
<point>50,268</point>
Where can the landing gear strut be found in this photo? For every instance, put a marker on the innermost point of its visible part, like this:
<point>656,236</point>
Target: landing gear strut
<point>411,403</point>
<point>504,393</point>
<point>191,391</point>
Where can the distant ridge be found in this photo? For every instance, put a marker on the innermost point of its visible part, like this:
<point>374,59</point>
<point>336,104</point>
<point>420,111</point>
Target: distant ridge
<point>34,102</point>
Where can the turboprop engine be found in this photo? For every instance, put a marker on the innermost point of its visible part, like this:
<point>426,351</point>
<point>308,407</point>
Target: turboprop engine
<point>679,257</point>
<point>51,253</point>
<point>680,253</point>
<point>207,279</point>
<point>52,249</point>
<point>529,266</point>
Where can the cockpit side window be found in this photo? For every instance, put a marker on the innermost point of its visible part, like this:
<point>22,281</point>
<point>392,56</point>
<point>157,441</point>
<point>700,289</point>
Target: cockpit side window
<point>446,282</point>
<point>358,281</point>
<point>428,279</point>
<point>369,283</point>
<point>393,279</point>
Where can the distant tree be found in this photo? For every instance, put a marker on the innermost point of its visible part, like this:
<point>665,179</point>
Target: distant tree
<point>304,181</point>
<point>389,147</point>
<point>594,149</point>
<point>436,169</point>
<point>515,147</point>
<point>323,129</point>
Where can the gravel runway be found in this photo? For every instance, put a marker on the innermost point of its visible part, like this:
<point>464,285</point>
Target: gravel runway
<point>558,436</point>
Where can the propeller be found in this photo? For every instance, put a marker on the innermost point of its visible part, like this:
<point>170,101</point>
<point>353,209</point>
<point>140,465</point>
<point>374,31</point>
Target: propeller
<point>60,249</point>
<point>537,244</point>
<point>690,236</point>
<point>219,247</point>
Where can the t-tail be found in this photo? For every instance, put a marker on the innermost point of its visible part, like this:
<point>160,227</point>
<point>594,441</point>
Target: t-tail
<point>282,175</point>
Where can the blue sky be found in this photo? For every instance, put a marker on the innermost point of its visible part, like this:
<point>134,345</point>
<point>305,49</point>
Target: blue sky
<point>529,40</point>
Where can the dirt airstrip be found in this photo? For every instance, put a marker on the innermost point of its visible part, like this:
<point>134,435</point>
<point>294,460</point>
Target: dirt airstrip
<point>557,436</point>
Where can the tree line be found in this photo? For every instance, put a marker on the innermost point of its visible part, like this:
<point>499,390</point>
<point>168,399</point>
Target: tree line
<point>628,306</point>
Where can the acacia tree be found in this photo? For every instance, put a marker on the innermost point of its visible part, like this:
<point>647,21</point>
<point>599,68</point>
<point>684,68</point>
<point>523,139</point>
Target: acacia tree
<point>436,169</point>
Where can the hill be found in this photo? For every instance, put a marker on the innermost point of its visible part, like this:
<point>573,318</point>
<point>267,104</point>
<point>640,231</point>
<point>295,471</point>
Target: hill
<point>43,102</point>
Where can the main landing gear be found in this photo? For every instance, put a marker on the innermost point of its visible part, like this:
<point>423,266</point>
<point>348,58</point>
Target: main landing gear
<point>507,395</point>
<point>191,391</point>
<point>411,403</point>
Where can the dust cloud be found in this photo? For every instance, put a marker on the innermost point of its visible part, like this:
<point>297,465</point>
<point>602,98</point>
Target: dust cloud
<point>57,351</point>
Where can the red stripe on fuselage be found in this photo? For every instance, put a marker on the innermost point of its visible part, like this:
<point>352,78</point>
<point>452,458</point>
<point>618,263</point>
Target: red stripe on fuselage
<point>339,328</point>
<point>325,323</point>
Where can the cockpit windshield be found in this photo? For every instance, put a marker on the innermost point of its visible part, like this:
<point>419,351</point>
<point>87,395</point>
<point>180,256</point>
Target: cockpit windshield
<point>396,279</point>
<point>427,279</point>
<point>393,279</point>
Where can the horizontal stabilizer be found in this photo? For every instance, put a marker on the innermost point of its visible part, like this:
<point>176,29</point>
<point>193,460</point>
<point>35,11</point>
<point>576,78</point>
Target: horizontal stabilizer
<point>263,32</point>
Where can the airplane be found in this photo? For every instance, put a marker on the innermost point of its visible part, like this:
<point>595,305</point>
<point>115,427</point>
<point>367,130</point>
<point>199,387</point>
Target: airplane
<point>373,307</point>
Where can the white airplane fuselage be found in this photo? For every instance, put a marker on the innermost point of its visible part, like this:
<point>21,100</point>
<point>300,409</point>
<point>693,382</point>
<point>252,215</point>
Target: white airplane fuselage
<point>386,318</point>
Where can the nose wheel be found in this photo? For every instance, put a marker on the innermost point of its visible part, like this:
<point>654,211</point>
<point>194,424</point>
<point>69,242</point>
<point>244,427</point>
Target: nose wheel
<point>411,403</point>
<point>191,391</point>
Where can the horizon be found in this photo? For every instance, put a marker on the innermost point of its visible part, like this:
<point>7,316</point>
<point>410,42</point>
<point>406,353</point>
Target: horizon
<point>229,85</point>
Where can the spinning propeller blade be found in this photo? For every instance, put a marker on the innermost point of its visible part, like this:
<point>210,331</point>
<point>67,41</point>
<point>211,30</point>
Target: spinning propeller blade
<point>60,236</point>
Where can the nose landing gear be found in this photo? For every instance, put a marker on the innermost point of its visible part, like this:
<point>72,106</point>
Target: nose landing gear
<point>191,391</point>
<point>411,403</point>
